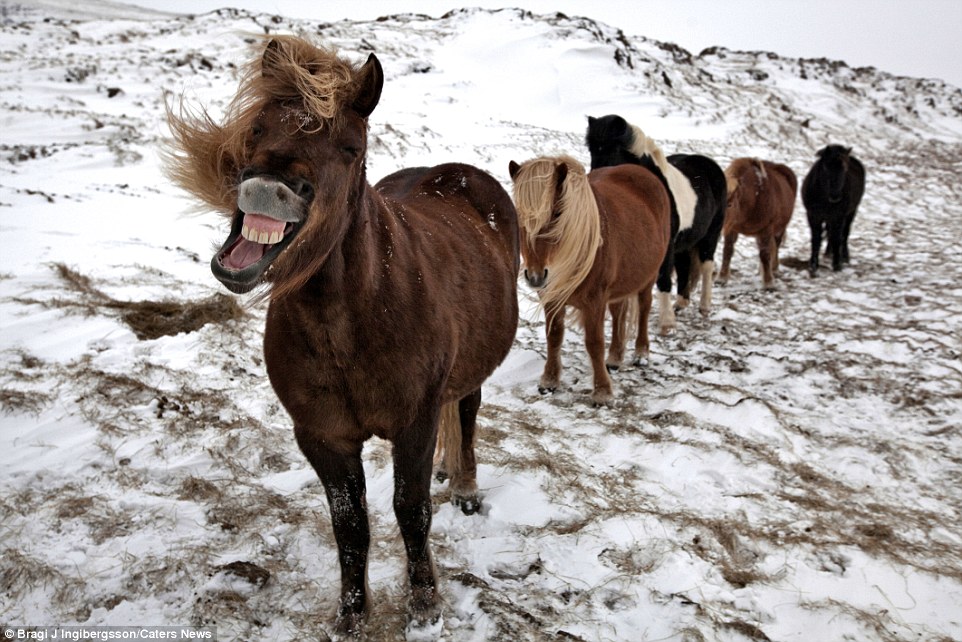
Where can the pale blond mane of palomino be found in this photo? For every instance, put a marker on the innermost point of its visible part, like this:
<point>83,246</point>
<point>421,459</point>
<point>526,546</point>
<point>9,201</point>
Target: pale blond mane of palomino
<point>207,155</point>
<point>678,183</point>
<point>576,234</point>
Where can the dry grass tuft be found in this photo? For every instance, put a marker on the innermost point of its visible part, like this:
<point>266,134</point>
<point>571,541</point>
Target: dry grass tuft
<point>147,319</point>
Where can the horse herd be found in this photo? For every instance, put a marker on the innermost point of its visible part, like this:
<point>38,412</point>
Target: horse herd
<point>391,304</point>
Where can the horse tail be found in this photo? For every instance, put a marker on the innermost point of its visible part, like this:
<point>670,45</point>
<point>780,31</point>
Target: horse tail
<point>447,455</point>
<point>760,173</point>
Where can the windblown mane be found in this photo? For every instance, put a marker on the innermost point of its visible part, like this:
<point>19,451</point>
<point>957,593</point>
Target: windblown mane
<point>576,234</point>
<point>207,155</point>
<point>678,183</point>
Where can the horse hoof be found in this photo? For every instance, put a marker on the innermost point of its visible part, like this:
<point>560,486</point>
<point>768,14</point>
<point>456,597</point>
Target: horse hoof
<point>612,367</point>
<point>347,626</point>
<point>601,398</point>
<point>547,390</point>
<point>469,505</point>
<point>424,628</point>
<point>705,311</point>
<point>441,475</point>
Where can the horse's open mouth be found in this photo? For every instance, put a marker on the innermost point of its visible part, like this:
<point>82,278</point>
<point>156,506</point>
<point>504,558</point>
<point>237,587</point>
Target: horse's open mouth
<point>268,218</point>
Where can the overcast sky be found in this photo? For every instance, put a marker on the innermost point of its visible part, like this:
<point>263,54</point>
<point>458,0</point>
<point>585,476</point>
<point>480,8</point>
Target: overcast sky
<point>907,37</point>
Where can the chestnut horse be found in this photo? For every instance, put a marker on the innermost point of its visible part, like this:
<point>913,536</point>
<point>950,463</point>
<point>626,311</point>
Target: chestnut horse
<point>696,185</point>
<point>761,198</point>
<point>386,303</point>
<point>590,241</point>
<point>831,192</point>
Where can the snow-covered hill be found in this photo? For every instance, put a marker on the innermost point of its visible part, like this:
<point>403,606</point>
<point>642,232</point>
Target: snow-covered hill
<point>787,469</point>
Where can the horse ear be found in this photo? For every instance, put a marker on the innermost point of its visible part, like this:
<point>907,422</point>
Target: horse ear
<point>271,52</point>
<point>848,150</point>
<point>513,169</point>
<point>561,173</point>
<point>370,81</point>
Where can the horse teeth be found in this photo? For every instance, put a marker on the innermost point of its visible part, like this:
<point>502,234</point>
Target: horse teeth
<point>247,234</point>
<point>276,237</point>
<point>263,238</point>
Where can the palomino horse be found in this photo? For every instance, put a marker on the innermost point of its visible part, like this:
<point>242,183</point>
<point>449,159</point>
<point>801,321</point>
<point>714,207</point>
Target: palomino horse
<point>831,192</point>
<point>386,303</point>
<point>590,241</point>
<point>761,197</point>
<point>697,186</point>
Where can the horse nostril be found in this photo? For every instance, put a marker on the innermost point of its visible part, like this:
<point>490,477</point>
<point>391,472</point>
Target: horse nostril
<point>304,190</point>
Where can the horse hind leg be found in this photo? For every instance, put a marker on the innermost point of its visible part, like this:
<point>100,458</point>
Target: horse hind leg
<point>644,309</point>
<point>684,262</point>
<point>707,273</point>
<point>616,350</point>
<point>456,438</point>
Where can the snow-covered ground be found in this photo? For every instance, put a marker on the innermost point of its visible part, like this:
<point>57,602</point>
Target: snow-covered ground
<point>788,469</point>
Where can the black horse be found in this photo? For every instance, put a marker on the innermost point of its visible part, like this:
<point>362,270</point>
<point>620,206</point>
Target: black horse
<point>699,194</point>
<point>831,192</point>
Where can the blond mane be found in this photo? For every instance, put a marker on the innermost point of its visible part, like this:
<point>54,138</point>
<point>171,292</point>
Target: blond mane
<point>678,183</point>
<point>206,156</point>
<point>575,235</point>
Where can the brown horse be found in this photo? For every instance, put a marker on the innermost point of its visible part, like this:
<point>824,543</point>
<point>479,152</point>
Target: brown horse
<point>761,198</point>
<point>386,303</point>
<point>590,241</point>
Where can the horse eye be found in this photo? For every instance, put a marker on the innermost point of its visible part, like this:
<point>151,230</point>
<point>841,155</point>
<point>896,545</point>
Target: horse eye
<point>256,131</point>
<point>353,152</point>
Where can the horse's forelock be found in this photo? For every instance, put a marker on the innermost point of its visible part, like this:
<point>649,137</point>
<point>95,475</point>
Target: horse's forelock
<point>294,69</point>
<point>534,195</point>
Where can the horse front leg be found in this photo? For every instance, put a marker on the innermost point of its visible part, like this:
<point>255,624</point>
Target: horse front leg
<point>835,228</point>
<point>594,320</point>
<point>728,250</point>
<point>845,232</point>
<point>342,475</point>
<point>413,456</point>
<point>815,225</point>
<point>555,333</point>
<point>766,256</point>
<point>616,351</point>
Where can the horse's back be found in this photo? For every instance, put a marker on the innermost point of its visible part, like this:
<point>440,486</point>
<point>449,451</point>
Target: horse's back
<point>637,198</point>
<point>630,182</point>
<point>434,192</point>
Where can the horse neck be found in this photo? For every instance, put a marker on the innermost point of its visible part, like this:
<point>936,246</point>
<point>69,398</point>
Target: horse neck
<point>342,255</point>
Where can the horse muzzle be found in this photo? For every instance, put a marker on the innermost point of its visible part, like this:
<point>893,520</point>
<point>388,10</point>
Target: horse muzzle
<point>537,279</point>
<point>269,215</point>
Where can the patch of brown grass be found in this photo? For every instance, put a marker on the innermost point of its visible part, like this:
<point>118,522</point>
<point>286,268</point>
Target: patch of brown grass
<point>147,319</point>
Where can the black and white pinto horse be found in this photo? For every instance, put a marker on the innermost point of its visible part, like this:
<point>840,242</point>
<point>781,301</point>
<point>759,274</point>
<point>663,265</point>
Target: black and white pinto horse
<point>699,195</point>
<point>831,192</point>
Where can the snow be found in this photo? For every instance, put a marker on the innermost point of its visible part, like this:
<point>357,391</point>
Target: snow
<point>786,469</point>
